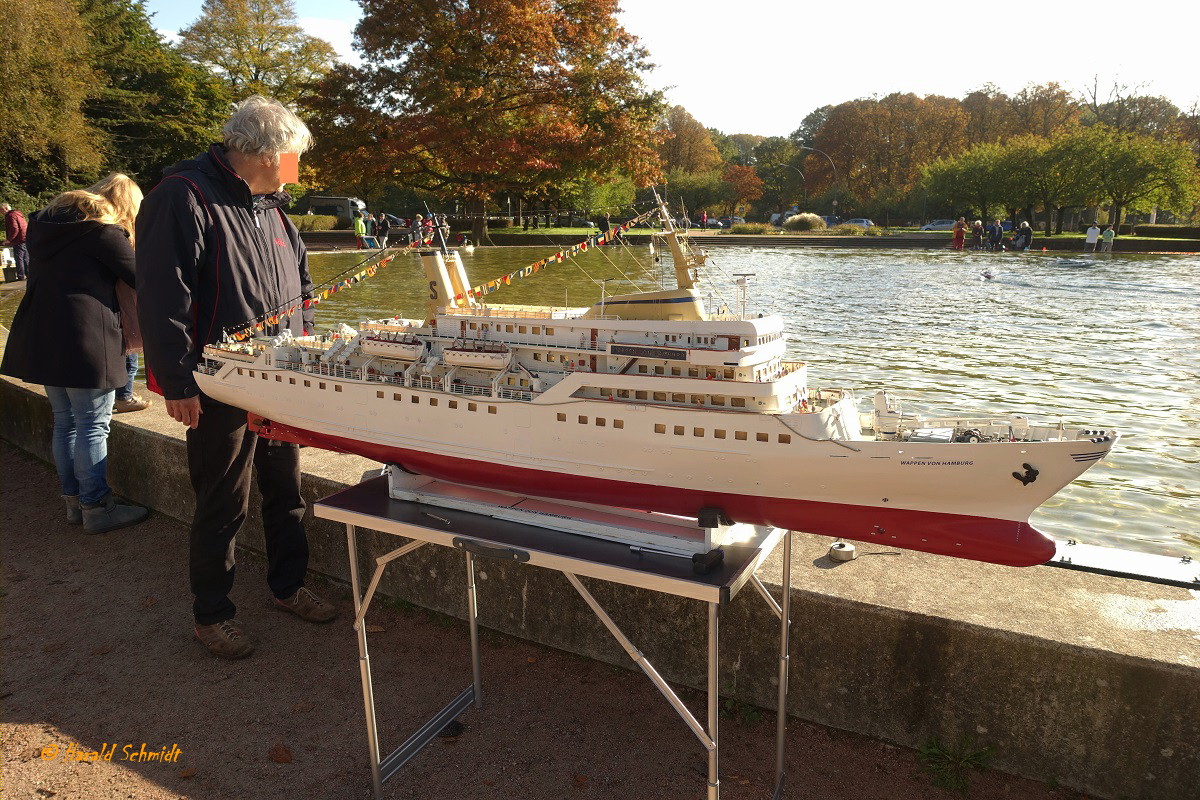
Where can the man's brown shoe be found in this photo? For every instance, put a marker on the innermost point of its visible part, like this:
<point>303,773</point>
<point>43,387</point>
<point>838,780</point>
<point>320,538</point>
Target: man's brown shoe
<point>131,403</point>
<point>307,606</point>
<point>225,639</point>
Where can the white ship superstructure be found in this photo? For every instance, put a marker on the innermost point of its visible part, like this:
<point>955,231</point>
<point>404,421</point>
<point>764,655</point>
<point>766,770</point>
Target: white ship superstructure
<point>648,401</point>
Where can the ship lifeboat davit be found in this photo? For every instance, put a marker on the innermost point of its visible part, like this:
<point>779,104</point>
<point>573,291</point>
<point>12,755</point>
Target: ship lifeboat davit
<point>479,355</point>
<point>404,348</point>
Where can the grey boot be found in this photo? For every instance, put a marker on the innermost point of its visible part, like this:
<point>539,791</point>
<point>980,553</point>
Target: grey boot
<point>108,515</point>
<point>74,512</point>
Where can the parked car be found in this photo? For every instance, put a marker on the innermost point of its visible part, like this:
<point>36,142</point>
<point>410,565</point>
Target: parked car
<point>831,221</point>
<point>861,222</point>
<point>938,225</point>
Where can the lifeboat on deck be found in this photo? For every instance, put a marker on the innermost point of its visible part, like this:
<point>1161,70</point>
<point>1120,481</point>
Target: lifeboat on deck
<point>479,355</point>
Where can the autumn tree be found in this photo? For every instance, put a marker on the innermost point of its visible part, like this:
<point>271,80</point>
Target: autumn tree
<point>687,146</point>
<point>257,47</point>
<point>740,184</point>
<point>1043,109</point>
<point>470,98</point>
<point>154,106</point>
<point>990,115</point>
<point>45,79</point>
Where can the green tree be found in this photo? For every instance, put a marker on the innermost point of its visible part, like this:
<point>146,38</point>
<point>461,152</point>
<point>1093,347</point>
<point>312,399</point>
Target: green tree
<point>257,47</point>
<point>977,180</point>
<point>777,161</point>
<point>1134,172</point>
<point>153,105</point>
<point>45,78</point>
<point>470,98</point>
<point>695,190</point>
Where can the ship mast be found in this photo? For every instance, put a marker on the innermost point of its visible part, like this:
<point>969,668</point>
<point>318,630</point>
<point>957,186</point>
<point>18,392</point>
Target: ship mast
<point>687,260</point>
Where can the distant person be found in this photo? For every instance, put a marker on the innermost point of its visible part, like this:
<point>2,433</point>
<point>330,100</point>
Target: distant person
<point>959,234</point>
<point>1091,238</point>
<point>996,235</point>
<point>15,227</point>
<point>703,219</point>
<point>66,335</point>
<point>1106,236</point>
<point>977,235</point>
<point>369,239</point>
<point>360,229</point>
<point>415,237</point>
<point>1024,238</point>
<point>382,228</point>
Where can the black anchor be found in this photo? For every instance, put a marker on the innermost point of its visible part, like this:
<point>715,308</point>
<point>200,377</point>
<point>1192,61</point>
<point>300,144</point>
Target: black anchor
<point>1029,477</point>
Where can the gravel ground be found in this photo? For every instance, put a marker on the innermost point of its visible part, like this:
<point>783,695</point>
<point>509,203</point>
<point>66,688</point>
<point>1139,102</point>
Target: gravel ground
<point>97,651</point>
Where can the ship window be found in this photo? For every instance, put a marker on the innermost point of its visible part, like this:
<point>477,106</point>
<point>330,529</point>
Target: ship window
<point>697,431</point>
<point>720,434</point>
<point>711,373</point>
<point>337,387</point>
<point>308,383</point>
<point>397,396</point>
<point>379,395</point>
<point>785,438</point>
<point>745,342</point>
<point>642,368</point>
<point>321,385</point>
<point>738,402</point>
<point>583,420</point>
<point>677,398</point>
<point>279,379</point>
<point>452,403</point>
<point>537,328</point>
<point>728,374</point>
<point>491,409</point>
<point>508,328</point>
<point>693,373</point>
<point>698,399</point>
<point>562,417</point>
<point>549,331</point>
<point>433,401</point>
<point>739,435</point>
<point>251,373</point>
<point>640,395</point>
<point>264,376</point>
<point>617,423</point>
<point>471,406</point>
<point>526,383</point>
<point>537,356</point>
<point>239,370</point>
<point>717,400</point>
<point>603,392</point>
<point>762,437</point>
<point>600,422</point>
<point>416,399</point>
<point>660,428</point>
<point>622,393</point>
<point>472,326</point>
<point>550,357</point>
<point>679,430</point>
<point>660,370</point>
<point>292,381</point>
<point>660,396</point>
<point>676,371</point>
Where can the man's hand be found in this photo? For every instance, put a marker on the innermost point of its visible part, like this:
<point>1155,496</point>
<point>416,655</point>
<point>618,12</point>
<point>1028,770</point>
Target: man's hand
<point>186,411</point>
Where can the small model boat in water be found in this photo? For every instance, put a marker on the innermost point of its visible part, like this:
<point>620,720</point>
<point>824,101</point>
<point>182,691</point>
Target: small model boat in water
<point>650,401</point>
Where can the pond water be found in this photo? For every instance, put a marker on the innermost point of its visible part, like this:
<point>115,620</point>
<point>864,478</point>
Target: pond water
<point>1110,341</point>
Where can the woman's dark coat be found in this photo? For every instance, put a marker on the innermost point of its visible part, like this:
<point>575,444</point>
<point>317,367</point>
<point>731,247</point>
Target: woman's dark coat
<point>67,330</point>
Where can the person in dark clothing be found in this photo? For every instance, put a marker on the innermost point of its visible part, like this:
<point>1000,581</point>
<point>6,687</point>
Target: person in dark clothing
<point>382,228</point>
<point>15,228</point>
<point>215,250</point>
<point>66,335</point>
<point>995,233</point>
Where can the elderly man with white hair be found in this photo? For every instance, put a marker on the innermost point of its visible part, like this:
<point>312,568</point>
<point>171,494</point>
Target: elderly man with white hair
<point>215,250</point>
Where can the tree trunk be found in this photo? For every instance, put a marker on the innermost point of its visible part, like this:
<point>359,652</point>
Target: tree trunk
<point>1058,228</point>
<point>479,227</point>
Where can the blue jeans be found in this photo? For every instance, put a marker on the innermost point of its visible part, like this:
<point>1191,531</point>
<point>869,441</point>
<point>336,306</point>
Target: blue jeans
<point>21,256</point>
<point>80,441</point>
<point>131,364</point>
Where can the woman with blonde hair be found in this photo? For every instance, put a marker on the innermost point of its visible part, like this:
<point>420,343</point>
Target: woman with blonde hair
<point>66,335</point>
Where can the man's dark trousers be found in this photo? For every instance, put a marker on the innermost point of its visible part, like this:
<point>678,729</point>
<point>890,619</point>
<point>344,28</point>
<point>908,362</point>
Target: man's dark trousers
<point>21,257</point>
<point>221,451</point>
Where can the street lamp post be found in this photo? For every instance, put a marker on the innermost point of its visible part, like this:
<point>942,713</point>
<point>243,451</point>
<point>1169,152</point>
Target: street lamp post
<point>803,187</point>
<point>835,180</point>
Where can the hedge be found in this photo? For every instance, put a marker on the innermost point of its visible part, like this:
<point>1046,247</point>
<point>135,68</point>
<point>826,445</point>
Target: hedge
<point>1169,231</point>
<point>314,222</point>
<point>752,227</point>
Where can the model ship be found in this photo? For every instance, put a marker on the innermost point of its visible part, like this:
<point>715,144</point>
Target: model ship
<point>650,401</point>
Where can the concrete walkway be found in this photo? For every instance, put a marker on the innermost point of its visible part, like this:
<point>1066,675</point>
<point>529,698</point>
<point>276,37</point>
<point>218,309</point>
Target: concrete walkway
<point>97,651</point>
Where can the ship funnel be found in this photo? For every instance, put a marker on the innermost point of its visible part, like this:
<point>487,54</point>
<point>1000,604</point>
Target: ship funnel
<point>441,288</point>
<point>458,281</point>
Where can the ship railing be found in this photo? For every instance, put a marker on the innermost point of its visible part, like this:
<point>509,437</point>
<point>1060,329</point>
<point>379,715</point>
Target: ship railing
<point>426,382</point>
<point>515,394</point>
<point>331,371</point>
<point>466,389</point>
<point>209,366</point>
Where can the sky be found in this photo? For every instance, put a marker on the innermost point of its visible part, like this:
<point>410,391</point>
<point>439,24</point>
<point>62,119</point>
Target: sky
<point>760,67</point>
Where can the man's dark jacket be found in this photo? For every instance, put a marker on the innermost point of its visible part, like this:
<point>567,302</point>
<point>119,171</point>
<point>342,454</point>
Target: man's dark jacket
<point>67,330</point>
<point>211,256</point>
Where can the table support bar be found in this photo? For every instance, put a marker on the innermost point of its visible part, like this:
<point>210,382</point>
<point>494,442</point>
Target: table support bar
<point>645,665</point>
<point>404,753</point>
<point>380,563</point>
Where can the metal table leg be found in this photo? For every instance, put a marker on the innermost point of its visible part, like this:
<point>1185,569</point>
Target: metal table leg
<point>785,625</point>
<point>364,667</point>
<point>473,620</point>
<point>714,699</point>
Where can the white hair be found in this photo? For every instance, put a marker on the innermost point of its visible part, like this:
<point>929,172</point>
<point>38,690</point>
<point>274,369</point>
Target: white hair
<point>264,127</point>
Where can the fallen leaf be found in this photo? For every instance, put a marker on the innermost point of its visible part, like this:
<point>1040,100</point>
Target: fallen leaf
<point>102,650</point>
<point>280,754</point>
<point>375,628</point>
<point>190,772</point>
<point>148,601</point>
<point>581,781</point>
<point>531,660</point>
<point>304,707</point>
